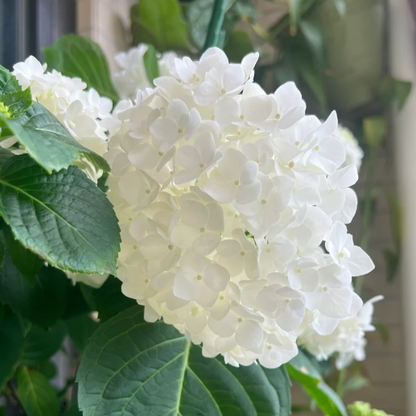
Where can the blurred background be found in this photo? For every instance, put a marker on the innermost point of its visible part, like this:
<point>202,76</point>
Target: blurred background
<point>355,56</point>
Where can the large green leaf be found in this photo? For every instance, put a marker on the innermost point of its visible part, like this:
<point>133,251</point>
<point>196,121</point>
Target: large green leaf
<point>44,302</point>
<point>11,346</point>
<point>159,23</point>
<point>36,395</point>
<point>63,217</point>
<point>47,140</point>
<point>169,376</point>
<point>40,344</point>
<point>303,371</point>
<point>25,261</point>
<point>76,56</point>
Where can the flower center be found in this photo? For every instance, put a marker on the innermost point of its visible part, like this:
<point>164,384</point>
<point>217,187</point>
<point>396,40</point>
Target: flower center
<point>146,281</point>
<point>287,300</point>
<point>240,320</point>
<point>148,191</point>
<point>202,229</point>
<point>263,202</point>
<point>242,253</point>
<point>341,255</point>
<point>199,276</point>
<point>202,165</point>
<point>236,183</point>
<point>316,148</point>
<point>291,164</point>
<point>180,131</point>
<point>325,288</point>
<point>242,117</point>
<point>297,143</point>
<point>277,116</point>
<point>170,247</point>
<point>223,91</point>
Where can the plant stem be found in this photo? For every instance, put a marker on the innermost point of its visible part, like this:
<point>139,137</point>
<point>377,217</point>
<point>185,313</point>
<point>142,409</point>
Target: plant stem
<point>215,24</point>
<point>341,380</point>
<point>367,211</point>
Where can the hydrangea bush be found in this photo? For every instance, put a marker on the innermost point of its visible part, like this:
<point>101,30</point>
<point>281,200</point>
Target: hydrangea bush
<point>232,206</point>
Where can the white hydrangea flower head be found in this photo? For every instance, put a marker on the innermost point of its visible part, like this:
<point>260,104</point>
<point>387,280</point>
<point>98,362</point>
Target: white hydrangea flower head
<point>226,197</point>
<point>84,113</point>
<point>354,153</point>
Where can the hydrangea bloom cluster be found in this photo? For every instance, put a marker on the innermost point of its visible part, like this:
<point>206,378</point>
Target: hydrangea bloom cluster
<point>233,204</point>
<point>85,114</point>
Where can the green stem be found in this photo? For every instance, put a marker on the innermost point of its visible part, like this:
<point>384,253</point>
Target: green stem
<point>215,24</point>
<point>341,380</point>
<point>367,211</point>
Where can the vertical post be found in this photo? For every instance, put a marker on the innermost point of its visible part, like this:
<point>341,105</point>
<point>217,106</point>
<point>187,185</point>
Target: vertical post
<point>402,44</point>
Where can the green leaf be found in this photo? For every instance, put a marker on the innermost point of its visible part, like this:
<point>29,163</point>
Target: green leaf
<point>48,369</point>
<point>24,260</point>
<point>238,46</point>
<point>44,302</point>
<point>80,329</point>
<point>73,409</point>
<point>109,299</point>
<point>383,330</point>
<point>341,6</point>
<point>294,13</point>
<point>13,101</point>
<point>5,155</point>
<point>14,104</point>
<point>314,81</point>
<point>40,344</point>
<point>392,260</point>
<point>8,82</point>
<point>159,23</point>
<point>375,129</point>
<point>11,346</point>
<point>356,382</point>
<point>47,140</point>
<point>37,397</point>
<point>392,89</point>
<point>169,376</point>
<point>151,63</point>
<point>303,371</point>
<point>62,217</point>
<point>76,304</point>
<point>76,56</point>
<point>314,35</point>
<point>396,218</point>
